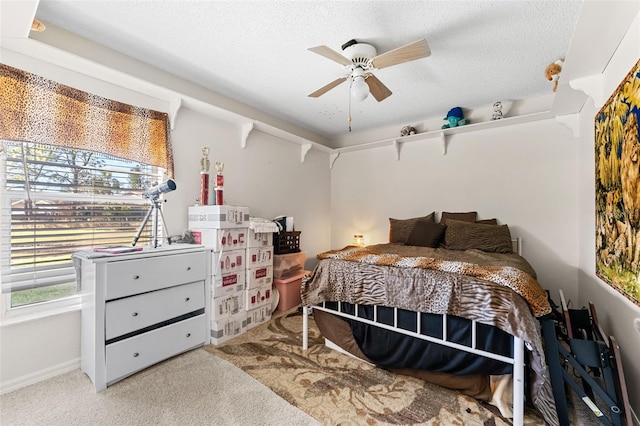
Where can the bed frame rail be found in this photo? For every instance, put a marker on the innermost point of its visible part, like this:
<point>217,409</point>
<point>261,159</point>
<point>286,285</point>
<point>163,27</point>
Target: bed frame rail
<point>517,360</point>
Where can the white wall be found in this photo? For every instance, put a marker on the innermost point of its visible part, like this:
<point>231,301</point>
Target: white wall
<point>525,176</point>
<point>615,312</point>
<point>32,351</point>
<point>267,176</point>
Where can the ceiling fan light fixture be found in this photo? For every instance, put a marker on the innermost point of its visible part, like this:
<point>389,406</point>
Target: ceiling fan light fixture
<point>359,88</point>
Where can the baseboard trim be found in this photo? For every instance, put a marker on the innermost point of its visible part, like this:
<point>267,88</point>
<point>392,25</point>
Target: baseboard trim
<point>38,376</point>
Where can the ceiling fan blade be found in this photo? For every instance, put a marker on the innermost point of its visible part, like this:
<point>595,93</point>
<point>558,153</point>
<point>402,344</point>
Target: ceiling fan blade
<point>327,52</point>
<point>409,52</point>
<point>326,88</point>
<point>377,89</point>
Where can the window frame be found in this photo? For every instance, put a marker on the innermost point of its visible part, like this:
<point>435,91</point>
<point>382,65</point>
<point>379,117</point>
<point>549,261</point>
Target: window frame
<point>9,313</point>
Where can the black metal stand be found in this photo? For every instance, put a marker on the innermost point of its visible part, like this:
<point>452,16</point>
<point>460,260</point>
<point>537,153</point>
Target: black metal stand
<point>590,349</point>
<point>153,210</point>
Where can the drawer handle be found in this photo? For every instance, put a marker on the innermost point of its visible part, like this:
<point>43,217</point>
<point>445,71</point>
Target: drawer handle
<point>136,354</point>
<point>136,277</point>
<point>188,334</point>
<point>186,299</point>
<point>188,268</point>
<point>135,314</point>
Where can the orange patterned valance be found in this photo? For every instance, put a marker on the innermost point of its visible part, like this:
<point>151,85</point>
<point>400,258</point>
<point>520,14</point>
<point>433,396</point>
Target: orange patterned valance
<point>35,109</point>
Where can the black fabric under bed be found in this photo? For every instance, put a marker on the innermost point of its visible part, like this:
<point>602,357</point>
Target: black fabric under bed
<point>393,350</point>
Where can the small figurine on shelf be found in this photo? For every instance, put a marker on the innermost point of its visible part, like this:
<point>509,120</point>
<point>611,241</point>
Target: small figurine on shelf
<point>204,176</point>
<point>552,72</point>
<point>497,111</point>
<point>407,131</point>
<point>454,118</point>
<point>219,183</point>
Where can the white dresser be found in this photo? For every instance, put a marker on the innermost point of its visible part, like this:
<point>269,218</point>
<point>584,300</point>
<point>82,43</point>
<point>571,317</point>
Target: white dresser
<point>140,308</point>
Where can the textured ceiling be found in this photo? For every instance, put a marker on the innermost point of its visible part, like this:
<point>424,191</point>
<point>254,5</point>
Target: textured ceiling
<point>256,51</point>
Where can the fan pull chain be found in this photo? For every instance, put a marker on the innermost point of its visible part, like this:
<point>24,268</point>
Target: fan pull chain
<point>349,95</point>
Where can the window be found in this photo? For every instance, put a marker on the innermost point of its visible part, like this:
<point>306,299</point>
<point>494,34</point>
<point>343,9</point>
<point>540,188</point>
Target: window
<point>55,201</point>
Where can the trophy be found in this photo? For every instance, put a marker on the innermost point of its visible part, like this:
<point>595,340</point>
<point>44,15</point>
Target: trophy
<point>219,183</point>
<point>204,177</point>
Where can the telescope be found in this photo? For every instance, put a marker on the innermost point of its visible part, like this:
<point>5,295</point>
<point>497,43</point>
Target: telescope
<point>163,188</point>
<point>154,194</point>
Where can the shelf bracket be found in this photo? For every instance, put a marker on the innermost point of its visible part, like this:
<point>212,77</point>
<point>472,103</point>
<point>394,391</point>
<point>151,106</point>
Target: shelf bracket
<point>332,158</point>
<point>591,86</point>
<point>174,106</point>
<point>304,148</point>
<point>245,129</point>
<point>572,121</point>
<point>443,143</point>
<point>396,145</point>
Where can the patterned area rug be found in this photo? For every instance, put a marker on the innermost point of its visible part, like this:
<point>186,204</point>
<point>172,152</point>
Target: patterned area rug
<point>337,389</point>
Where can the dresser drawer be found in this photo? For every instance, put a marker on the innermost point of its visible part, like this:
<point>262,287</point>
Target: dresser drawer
<point>128,356</point>
<point>136,312</point>
<point>130,277</point>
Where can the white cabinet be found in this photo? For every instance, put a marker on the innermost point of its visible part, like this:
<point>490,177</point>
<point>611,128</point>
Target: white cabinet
<point>140,308</point>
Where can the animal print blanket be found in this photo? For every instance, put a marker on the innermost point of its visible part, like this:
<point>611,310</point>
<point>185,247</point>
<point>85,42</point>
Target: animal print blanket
<point>510,270</point>
<point>470,284</point>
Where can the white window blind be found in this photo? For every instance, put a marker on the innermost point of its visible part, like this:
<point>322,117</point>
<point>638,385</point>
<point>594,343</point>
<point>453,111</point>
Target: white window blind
<point>55,201</point>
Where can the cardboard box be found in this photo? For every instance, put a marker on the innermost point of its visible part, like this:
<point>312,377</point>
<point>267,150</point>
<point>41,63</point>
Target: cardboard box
<point>227,261</point>
<point>259,256</point>
<point>256,297</point>
<point>227,306</point>
<point>258,316</point>
<point>288,265</point>
<point>259,239</point>
<point>227,284</point>
<point>219,217</point>
<point>228,328</point>
<point>289,291</point>
<point>221,239</point>
<point>258,277</point>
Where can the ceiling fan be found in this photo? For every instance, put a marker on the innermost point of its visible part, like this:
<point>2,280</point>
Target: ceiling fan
<point>361,60</point>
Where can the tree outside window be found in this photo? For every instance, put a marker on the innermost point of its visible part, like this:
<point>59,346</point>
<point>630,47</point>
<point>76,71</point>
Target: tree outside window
<point>55,201</point>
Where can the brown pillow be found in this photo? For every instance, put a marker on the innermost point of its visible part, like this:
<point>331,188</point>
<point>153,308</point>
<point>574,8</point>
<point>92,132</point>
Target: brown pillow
<point>399,229</point>
<point>426,234</point>
<point>465,217</point>
<point>488,221</point>
<point>465,235</point>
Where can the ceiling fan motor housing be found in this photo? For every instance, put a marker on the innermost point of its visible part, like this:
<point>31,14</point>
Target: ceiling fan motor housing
<point>360,54</point>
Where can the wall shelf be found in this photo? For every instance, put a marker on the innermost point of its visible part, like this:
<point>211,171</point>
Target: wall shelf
<point>305,144</point>
<point>442,134</point>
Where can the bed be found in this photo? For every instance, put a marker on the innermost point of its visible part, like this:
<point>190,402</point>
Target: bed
<point>452,302</point>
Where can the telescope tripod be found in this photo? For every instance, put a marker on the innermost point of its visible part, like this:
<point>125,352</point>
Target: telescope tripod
<point>155,210</point>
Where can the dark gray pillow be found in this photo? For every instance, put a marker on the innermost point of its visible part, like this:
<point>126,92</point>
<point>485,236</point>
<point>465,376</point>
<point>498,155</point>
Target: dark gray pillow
<point>399,229</point>
<point>465,217</point>
<point>426,234</point>
<point>488,221</point>
<point>467,235</point>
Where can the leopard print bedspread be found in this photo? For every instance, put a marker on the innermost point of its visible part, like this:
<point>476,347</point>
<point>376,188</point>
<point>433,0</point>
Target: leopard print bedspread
<point>384,275</point>
<point>510,271</point>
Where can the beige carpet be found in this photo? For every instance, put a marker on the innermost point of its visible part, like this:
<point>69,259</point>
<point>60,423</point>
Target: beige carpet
<point>194,388</point>
<point>339,390</point>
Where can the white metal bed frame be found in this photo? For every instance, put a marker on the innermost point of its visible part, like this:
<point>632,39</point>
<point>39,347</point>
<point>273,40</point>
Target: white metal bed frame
<point>517,360</point>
